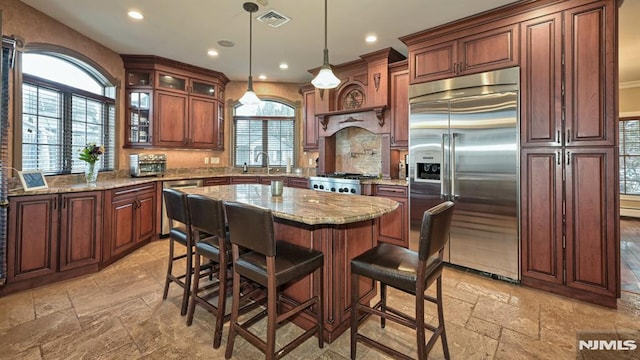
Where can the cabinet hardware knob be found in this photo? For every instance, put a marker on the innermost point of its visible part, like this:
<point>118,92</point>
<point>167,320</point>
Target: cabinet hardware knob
<point>568,135</point>
<point>568,157</point>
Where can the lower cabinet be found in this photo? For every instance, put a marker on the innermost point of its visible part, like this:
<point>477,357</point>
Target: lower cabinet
<point>245,180</point>
<point>217,181</point>
<point>129,219</point>
<point>300,183</point>
<point>49,234</point>
<point>394,227</point>
<point>569,230</point>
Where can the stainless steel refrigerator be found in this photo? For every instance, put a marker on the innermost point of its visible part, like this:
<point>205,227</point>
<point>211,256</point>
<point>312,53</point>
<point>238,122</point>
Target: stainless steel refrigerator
<point>463,147</point>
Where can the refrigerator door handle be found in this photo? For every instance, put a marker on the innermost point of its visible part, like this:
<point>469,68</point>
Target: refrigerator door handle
<point>443,190</point>
<point>453,166</point>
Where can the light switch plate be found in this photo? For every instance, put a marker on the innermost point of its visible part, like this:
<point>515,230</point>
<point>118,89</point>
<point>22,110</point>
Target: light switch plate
<point>215,160</point>
<point>206,161</point>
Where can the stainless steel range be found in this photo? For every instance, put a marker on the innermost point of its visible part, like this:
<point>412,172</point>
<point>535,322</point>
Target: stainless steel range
<point>345,183</point>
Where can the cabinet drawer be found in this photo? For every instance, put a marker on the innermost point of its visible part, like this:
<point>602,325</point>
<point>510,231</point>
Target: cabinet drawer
<point>217,181</point>
<point>245,180</point>
<point>391,191</point>
<point>133,190</point>
<point>299,183</point>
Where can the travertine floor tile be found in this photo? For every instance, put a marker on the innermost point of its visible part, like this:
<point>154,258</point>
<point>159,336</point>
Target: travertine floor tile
<point>522,320</point>
<point>39,331</point>
<point>29,354</point>
<point>483,327</point>
<point>48,300</point>
<point>515,346</point>
<point>16,309</point>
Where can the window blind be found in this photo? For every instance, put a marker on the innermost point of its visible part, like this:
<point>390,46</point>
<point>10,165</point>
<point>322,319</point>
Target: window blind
<point>630,156</point>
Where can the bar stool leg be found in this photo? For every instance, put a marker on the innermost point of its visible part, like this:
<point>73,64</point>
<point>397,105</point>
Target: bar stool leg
<point>234,315</point>
<point>383,303</point>
<point>354,314</point>
<point>443,336</point>
<point>420,322</point>
<point>187,281</point>
<point>222,298</point>
<point>194,292</point>
<point>272,303</point>
<point>321,309</point>
<point>169,270</point>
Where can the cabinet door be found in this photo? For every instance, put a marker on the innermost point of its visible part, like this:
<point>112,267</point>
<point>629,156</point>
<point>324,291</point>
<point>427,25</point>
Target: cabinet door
<point>171,119</point>
<point>122,226</point>
<point>203,123</point>
<point>33,237</point>
<point>300,183</point>
<point>591,233</point>
<point>541,215</point>
<point>489,50</point>
<point>80,229</point>
<point>400,109</point>
<point>393,227</point>
<point>220,144</point>
<point>139,118</point>
<point>433,62</point>
<point>145,216</point>
<point>590,79</point>
<point>541,82</point>
<point>310,123</point>
<point>171,82</point>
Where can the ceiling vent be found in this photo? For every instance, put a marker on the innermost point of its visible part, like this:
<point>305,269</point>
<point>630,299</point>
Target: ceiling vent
<point>274,18</point>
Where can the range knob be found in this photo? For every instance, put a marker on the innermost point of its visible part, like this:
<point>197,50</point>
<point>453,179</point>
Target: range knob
<point>315,186</point>
<point>340,190</point>
<point>353,191</point>
<point>346,190</point>
<point>333,189</point>
<point>321,187</point>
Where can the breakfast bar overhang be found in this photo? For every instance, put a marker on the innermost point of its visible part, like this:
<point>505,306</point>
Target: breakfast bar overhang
<point>341,226</point>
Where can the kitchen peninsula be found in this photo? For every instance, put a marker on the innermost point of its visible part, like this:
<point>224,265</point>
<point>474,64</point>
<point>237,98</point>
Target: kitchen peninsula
<point>341,226</point>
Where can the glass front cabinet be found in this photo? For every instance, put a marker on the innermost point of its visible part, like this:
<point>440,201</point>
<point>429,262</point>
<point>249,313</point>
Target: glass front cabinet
<point>139,118</point>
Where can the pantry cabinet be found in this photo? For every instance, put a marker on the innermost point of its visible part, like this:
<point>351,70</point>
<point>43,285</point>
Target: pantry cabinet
<point>184,104</point>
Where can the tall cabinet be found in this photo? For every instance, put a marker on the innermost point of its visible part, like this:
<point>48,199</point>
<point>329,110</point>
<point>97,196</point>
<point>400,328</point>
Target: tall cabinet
<point>569,179</point>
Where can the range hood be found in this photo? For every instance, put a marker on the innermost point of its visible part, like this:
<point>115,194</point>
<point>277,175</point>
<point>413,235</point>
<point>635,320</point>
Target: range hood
<point>374,119</point>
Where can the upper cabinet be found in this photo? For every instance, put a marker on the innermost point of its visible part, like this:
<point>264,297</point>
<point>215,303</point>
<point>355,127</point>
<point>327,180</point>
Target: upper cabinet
<point>399,99</point>
<point>485,48</point>
<point>171,104</point>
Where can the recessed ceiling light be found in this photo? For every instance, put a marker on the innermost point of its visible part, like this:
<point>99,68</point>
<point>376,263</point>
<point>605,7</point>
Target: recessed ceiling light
<point>135,14</point>
<point>371,39</point>
<point>284,66</point>
<point>226,43</point>
<point>212,52</point>
<point>262,77</point>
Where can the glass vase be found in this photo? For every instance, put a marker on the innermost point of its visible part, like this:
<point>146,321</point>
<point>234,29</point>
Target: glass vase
<point>91,173</point>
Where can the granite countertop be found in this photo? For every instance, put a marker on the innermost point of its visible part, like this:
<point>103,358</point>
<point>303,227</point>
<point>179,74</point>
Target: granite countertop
<point>302,205</point>
<point>111,182</point>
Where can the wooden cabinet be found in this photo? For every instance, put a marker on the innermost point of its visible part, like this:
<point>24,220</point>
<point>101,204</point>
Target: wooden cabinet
<point>570,240</point>
<point>33,237</point>
<point>300,183</point>
<point>184,104</point>
<point>310,130</point>
<point>80,229</point>
<point>217,181</point>
<point>394,227</point>
<point>245,180</point>
<point>399,94</point>
<point>488,48</point>
<point>49,234</point>
<point>130,219</point>
<point>266,180</point>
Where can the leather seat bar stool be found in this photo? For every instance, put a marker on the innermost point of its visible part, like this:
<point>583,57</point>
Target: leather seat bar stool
<point>180,232</point>
<point>212,242</point>
<point>271,264</point>
<point>411,272</point>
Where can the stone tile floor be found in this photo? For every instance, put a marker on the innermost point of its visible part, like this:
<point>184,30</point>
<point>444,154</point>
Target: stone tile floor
<point>630,254</point>
<point>119,313</point>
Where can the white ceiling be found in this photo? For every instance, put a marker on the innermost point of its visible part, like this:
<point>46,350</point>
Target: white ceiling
<point>184,30</point>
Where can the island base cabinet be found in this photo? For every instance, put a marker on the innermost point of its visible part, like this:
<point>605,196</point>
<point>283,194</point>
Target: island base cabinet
<point>393,227</point>
<point>130,220</point>
<point>339,244</point>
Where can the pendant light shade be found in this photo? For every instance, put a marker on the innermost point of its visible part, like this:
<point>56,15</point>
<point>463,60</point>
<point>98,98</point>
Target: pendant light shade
<point>325,78</point>
<point>250,97</point>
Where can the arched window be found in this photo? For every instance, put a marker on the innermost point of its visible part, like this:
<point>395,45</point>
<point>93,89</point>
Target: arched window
<point>66,104</point>
<point>268,127</point>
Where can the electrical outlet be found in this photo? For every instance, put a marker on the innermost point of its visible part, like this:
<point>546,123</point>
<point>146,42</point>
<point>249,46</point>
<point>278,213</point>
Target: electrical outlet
<point>215,160</point>
<point>206,161</point>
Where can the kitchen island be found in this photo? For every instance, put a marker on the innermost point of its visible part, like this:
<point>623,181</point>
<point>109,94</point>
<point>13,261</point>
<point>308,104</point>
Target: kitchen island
<point>341,226</point>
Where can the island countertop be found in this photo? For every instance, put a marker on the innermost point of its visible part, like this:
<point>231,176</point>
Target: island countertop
<point>302,205</point>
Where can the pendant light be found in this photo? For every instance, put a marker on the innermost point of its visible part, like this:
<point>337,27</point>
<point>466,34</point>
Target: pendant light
<point>250,97</point>
<point>325,78</point>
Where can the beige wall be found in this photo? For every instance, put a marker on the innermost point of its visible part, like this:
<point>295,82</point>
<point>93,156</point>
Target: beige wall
<point>630,100</point>
<point>32,26</point>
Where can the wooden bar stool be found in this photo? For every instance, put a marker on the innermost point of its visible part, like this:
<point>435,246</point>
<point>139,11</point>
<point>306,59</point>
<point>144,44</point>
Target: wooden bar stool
<point>408,271</point>
<point>180,224</point>
<point>271,264</point>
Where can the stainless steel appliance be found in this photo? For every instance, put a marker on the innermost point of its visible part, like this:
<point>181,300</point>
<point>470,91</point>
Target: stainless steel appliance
<point>345,183</point>
<point>175,184</point>
<point>463,146</point>
<point>147,164</point>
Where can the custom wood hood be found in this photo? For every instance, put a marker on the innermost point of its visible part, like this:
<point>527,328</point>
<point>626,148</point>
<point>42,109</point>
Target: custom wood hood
<point>372,118</point>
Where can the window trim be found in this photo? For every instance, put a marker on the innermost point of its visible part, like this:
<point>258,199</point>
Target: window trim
<point>80,60</point>
<point>297,125</point>
<point>621,155</point>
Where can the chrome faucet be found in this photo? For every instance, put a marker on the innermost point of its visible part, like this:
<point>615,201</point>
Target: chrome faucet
<point>264,155</point>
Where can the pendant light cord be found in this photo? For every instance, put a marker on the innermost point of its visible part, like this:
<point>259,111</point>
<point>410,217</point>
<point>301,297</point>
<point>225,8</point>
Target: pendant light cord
<point>250,40</point>
<point>325,25</point>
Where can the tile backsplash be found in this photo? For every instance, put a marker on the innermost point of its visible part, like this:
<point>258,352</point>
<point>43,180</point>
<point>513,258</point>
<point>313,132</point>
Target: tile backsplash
<point>358,151</point>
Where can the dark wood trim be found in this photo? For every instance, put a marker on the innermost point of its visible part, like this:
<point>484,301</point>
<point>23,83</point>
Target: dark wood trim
<point>608,301</point>
<point>143,61</point>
